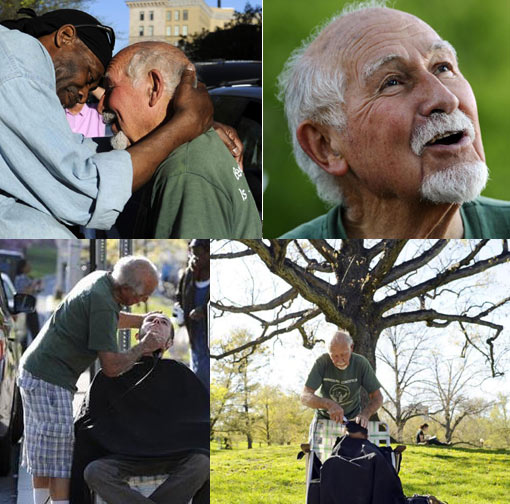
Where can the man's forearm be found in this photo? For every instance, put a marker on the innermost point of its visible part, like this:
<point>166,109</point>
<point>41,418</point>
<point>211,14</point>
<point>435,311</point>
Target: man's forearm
<point>123,361</point>
<point>372,406</point>
<point>316,402</point>
<point>148,153</point>
<point>130,320</point>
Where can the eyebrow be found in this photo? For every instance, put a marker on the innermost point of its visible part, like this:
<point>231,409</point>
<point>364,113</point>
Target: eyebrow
<point>371,68</point>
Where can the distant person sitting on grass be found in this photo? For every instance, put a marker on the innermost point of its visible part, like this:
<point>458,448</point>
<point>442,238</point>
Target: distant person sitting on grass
<point>423,439</point>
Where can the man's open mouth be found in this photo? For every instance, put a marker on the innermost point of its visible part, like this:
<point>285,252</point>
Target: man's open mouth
<point>447,138</point>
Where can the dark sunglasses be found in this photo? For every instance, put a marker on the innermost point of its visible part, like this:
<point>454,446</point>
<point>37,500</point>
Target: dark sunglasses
<point>108,29</point>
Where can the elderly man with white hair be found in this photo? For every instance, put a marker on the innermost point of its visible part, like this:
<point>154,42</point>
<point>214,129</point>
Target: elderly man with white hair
<point>82,328</point>
<point>198,190</point>
<point>339,374</point>
<point>386,126</point>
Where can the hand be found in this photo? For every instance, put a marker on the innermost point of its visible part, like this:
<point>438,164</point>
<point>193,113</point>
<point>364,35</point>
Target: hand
<point>362,420</point>
<point>336,413</point>
<point>153,341</point>
<point>192,105</point>
<point>196,314</point>
<point>231,139</point>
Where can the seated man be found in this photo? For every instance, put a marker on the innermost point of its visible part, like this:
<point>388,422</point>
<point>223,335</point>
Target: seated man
<point>198,191</point>
<point>152,420</point>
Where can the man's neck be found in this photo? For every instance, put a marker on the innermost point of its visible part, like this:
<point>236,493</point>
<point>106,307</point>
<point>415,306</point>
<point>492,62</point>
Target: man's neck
<point>200,275</point>
<point>373,217</point>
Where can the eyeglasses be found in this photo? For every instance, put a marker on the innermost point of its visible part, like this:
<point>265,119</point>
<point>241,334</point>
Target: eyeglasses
<point>108,29</point>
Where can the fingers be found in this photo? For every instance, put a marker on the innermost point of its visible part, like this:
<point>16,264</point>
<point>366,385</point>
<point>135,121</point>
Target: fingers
<point>189,76</point>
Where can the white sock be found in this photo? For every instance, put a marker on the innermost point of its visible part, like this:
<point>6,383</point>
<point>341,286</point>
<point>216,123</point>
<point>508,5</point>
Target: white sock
<point>41,495</point>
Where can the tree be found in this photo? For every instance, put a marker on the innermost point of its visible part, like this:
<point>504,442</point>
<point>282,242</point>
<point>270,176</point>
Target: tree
<point>241,39</point>
<point>234,388</point>
<point>9,8</point>
<point>447,392</point>
<point>405,361</point>
<point>360,284</point>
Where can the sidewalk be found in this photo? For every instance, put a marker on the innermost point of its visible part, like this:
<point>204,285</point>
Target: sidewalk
<point>24,479</point>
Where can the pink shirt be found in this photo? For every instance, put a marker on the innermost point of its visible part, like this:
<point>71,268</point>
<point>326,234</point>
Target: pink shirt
<point>88,122</point>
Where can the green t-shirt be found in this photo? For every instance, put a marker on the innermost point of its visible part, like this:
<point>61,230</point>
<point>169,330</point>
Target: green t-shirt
<point>198,192</point>
<point>342,386</point>
<point>83,324</point>
<point>482,218</point>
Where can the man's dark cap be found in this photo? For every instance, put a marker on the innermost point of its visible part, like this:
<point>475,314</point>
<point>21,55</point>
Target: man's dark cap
<point>98,38</point>
<point>196,242</point>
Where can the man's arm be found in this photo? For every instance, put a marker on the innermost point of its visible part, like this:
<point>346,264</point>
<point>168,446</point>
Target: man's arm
<point>115,363</point>
<point>130,320</point>
<point>133,320</point>
<point>374,403</point>
<point>310,399</point>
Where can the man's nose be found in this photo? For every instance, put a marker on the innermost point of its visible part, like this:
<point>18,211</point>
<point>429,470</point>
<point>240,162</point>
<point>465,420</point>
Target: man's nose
<point>436,96</point>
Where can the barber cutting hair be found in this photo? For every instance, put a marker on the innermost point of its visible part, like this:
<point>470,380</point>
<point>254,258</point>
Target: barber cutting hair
<point>82,328</point>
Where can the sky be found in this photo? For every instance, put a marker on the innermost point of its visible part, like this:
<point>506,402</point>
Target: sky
<point>247,281</point>
<point>115,13</point>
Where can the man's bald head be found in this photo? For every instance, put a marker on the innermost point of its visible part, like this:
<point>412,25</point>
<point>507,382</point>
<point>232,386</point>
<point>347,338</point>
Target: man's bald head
<point>137,60</point>
<point>141,81</point>
<point>340,349</point>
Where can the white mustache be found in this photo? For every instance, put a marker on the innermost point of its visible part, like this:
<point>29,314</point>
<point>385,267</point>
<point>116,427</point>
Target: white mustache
<point>440,124</point>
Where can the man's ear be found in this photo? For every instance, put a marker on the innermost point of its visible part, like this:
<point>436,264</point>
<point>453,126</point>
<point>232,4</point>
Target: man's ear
<point>315,139</point>
<point>157,84</point>
<point>65,35</point>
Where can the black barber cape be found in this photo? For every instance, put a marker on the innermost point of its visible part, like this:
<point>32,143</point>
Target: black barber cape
<point>359,473</point>
<point>165,416</point>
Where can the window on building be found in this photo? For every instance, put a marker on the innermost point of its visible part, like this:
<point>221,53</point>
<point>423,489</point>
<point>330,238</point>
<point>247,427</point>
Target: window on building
<point>142,16</point>
<point>140,31</point>
<point>184,29</point>
<point>151,31</point>
<point>176,15</point>
<point>169,15</point>
<point>184,15</point>
<point>176,31</point>
<point>168,31</point>
<point>151,15</point>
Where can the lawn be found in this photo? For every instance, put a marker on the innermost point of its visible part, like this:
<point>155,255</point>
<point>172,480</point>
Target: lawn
<point>272,475</point>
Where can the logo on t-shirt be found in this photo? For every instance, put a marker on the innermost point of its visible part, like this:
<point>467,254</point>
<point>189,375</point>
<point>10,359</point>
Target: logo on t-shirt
<point>340,393</point>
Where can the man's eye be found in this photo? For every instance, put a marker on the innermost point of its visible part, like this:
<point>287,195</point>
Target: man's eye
<point>390,82</point>
<point>443,67</point>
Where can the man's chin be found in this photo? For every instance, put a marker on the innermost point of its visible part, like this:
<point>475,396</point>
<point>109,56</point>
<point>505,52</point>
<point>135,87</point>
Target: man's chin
<point>120,141</point>
<point>457,184</point>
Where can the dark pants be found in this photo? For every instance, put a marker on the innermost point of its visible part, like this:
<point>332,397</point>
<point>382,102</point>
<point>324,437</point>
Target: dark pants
<point>186,476</point>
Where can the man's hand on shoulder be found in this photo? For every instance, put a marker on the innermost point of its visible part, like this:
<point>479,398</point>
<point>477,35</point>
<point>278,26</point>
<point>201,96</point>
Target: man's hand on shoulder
<point>192,106</point>
<point>230,138</point>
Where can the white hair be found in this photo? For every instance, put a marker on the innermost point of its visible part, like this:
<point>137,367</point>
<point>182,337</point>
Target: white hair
<point>457,184</point>
<point>132,271</point>
<point>155,56</point>
<point>345,334</point>
<point>313,88</point>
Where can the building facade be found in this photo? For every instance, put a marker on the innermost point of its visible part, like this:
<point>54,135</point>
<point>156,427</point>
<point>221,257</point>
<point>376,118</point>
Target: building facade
<point>170,20</point>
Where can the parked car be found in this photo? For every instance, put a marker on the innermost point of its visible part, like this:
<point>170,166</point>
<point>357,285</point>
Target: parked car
<point>11,412</point>
<point>235,88</point>
<point>9,260</point>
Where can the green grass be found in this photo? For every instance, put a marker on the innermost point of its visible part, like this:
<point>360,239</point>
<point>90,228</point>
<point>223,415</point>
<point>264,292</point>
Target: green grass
<point>272,475</point>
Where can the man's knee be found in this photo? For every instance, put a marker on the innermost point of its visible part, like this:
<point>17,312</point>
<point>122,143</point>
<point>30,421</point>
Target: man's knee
<point>201,464</point>
<point>96,472</point>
